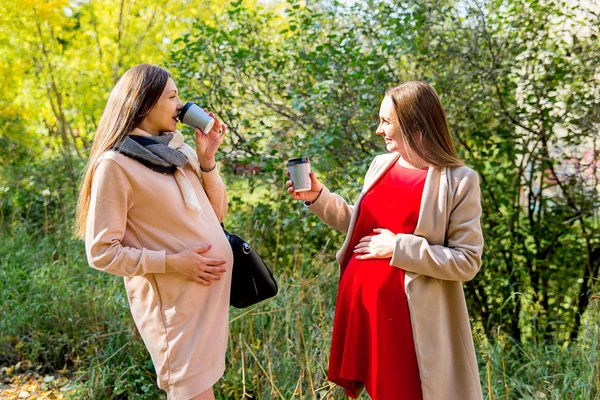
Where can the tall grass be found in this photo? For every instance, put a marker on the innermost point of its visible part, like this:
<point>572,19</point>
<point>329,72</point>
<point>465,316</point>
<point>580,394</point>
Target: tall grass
<point>546,370</point>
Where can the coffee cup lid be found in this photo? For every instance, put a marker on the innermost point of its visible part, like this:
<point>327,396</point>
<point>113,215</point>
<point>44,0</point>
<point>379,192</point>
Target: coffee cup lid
<point>184,110</point>
<point>294,161</point>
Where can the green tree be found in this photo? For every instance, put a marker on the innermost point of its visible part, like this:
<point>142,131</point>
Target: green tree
<point>518,82</point>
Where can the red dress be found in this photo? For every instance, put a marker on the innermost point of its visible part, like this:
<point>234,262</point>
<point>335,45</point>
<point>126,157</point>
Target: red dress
<point>372,345</point>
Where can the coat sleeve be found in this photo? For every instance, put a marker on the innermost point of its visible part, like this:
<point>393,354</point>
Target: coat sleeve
<point>333,210</point>
<point>460,259</point>
<point>216,192</point>
<point>111,198</point>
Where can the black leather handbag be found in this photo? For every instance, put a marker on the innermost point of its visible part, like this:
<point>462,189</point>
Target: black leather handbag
<point>251,280</point>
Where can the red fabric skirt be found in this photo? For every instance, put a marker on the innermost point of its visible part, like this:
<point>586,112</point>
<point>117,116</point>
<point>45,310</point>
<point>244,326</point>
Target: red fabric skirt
<point>372,345</point>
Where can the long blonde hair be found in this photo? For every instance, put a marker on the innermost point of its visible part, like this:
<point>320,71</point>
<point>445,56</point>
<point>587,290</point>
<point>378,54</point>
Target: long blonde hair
<point>423,123</point>
<point>130,101</point>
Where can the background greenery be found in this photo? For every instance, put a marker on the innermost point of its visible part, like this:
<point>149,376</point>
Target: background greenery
<point>520,84</point>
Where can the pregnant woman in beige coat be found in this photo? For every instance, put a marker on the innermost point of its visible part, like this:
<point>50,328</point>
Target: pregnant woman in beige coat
<point>150,209</point>
<point>401,327</point>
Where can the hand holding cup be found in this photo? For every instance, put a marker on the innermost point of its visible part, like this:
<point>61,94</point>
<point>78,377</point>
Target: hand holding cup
<point>195,117</point>
<point>309,192</point>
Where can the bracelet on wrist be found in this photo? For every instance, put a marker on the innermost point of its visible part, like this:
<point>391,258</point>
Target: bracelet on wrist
<point>209,170</point>
<point>309,203</point>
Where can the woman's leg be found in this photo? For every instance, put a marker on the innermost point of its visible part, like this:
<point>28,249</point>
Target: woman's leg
<point>206,395</point>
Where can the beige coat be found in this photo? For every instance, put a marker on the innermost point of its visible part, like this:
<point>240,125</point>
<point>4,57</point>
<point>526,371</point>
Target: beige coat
<point>444,251</point>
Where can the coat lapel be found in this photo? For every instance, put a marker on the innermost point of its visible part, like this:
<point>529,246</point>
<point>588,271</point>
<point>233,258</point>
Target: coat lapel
<point>379,172</point>
<point>433,213</point>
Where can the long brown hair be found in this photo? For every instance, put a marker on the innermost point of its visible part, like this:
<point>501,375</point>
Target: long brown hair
<point>423,123</point>
<point>130,101</point>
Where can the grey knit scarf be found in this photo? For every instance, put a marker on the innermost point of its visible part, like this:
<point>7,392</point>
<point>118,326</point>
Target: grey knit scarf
<point>153,152</point>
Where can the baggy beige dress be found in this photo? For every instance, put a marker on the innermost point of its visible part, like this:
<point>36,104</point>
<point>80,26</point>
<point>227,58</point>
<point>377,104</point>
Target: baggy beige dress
<point>136,217</point>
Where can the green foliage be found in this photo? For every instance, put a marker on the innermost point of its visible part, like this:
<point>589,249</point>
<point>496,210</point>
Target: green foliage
<point>308,81</point>
<point>57,314</point>
<point>519,82</point>
<point>518,371</point>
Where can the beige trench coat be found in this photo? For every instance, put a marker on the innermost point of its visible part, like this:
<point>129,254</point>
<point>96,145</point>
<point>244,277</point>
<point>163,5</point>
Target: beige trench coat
<point>444,251</point>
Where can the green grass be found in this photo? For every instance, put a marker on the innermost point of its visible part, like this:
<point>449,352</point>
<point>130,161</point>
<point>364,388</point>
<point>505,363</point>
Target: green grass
<point>57,312</point>
<point>546,371</point>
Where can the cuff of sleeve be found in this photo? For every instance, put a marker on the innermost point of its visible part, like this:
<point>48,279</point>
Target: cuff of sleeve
<point>211,178</point>
<point>155,261</point>
<point>399,258</point>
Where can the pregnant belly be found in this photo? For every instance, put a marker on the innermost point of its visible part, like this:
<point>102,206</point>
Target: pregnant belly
<point>182,297</point>
<point>375,281</point>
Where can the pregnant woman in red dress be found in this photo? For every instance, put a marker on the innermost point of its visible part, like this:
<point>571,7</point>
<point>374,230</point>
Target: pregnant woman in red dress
<point>371,331</point>
<point>401,326</point>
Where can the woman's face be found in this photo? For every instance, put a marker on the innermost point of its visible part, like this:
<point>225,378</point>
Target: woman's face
<point>389,128</point>
<point>163,116</point>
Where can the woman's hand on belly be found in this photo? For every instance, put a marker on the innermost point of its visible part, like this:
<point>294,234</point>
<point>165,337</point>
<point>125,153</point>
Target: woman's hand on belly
<point>191,264</point>
<point>380,245</point>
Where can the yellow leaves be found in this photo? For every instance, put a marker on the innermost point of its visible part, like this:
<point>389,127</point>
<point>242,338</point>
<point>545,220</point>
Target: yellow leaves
<point>31,386</point>
<point>51,11</point>
<point>44,9</point>
<point>76,51</point>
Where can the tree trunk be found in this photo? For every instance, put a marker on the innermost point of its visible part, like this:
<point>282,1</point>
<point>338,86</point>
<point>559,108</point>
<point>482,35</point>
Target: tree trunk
<point>120,29</point>
<point>590,274</point>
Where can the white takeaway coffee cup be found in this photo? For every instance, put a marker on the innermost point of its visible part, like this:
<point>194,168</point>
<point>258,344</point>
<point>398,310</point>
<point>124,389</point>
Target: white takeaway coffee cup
<point>299,169</point>
<point>195,117</point>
